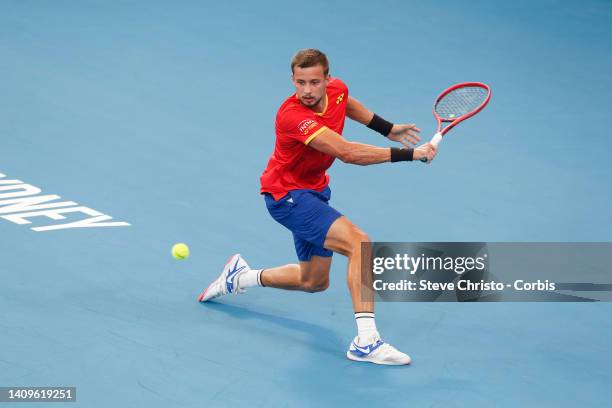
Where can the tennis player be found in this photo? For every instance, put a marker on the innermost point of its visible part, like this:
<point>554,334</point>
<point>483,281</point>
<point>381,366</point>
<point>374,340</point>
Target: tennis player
<point>296,190</point>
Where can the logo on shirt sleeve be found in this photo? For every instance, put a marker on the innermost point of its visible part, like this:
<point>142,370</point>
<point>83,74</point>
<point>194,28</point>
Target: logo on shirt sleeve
<point>339,98</point>
<point>306,126</point>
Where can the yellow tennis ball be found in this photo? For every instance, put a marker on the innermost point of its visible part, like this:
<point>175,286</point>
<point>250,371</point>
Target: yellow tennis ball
<point>180,251</point>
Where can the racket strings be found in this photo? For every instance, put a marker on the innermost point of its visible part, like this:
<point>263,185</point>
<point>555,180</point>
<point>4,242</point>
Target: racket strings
<point>461,101</point>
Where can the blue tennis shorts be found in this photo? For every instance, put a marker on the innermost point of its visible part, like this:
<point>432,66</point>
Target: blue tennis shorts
<point>307,214</point>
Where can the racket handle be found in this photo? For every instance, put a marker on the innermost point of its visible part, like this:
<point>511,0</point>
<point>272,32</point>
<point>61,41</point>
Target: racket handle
<point>435,141</point>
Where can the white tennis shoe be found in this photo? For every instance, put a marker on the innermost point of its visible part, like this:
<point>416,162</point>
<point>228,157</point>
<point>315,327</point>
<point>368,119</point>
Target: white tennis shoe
<point>227,282</point>
<point>376,351</point>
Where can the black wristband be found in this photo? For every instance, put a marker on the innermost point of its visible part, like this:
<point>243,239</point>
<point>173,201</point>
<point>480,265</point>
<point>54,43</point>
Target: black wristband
<point>380,125</point>
<point>398,154</point>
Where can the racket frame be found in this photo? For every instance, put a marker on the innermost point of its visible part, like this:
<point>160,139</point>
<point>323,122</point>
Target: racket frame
<point>437,138</point>
<point>455,121</point>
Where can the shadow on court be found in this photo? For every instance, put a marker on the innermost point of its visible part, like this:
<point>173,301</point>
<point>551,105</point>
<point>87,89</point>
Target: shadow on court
<point>317,337</point>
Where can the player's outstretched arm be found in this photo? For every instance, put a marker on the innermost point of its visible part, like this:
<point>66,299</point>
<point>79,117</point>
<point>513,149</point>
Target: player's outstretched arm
<point>358,112</point>
<point>334,144</point>
<point>406,134</point>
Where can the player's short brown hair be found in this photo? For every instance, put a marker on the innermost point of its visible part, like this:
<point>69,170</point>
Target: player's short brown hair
<point>309,57</point>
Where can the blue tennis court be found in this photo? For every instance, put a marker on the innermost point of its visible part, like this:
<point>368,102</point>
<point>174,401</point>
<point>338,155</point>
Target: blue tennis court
<point>160,115</point>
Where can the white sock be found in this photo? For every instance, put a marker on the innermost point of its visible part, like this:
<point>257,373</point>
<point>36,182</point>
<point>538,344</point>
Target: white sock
<point>366,326</point>
<point>250,278</point>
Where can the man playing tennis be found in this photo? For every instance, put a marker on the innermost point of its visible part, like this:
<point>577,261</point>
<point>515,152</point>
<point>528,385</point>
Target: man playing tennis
<point>295,185</point>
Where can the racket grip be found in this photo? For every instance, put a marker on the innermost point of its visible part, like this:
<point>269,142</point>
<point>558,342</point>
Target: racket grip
<point>435,141</point>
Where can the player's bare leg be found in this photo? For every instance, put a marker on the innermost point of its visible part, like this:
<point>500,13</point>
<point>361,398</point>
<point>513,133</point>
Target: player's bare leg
<point>346,238</point>
<point>308,276</point>
<point>236,276</point>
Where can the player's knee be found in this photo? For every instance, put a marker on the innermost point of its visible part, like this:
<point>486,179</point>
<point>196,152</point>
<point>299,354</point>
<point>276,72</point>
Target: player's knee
<point>315,286</point>
<point>358,239</point>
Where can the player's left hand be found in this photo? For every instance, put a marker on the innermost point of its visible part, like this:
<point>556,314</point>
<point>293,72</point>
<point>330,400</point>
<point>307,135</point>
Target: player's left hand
<point>405,134</point>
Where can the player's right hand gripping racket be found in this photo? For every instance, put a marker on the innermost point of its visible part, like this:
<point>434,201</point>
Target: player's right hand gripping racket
<point>456,104</point>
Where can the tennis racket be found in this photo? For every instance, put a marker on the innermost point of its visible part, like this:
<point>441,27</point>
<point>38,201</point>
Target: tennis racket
<point>456,104</point>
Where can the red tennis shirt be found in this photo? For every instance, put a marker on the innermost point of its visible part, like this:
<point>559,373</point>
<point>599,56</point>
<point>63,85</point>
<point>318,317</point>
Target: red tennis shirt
<point>294,165</point>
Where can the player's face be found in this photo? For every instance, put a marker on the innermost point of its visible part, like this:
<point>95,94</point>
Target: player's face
<point>310,84</point>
